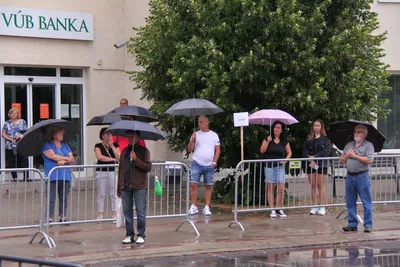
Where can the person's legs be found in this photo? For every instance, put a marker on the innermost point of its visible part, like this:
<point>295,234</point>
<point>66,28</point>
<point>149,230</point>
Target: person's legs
<point>281,189</point>
<point>321,188</point>
<point>140,197</point>
<point>24,164</point>
<point>313,180</point>
<point>10,162</point>
<point>63,192</point>
<point>197,171</point>
<point>127,206</point>
<point>351,200</point>
<point>101,181</point>
<point>364,191</point>
<point>208,175</point>
<point>52,198</point>
<point>112,189</point>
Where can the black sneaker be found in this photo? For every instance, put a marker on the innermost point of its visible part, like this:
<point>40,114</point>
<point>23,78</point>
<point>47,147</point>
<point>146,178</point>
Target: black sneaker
<point>367,229</point>
<point>349,228</point>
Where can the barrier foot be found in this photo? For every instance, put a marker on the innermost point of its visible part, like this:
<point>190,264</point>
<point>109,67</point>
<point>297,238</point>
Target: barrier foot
<point>191,223</point>
<point>238,223</point>
<point>49,240</point>
<point>341,213</point>
<point>360,220</point>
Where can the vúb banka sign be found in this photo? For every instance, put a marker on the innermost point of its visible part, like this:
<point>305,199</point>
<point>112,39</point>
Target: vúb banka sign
<point>43,23</point>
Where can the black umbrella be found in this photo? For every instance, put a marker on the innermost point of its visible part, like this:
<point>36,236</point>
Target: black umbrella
<point>146,130</point>
<point>342,132</point>
<point>106,119</point>
<point>138,113</point>
<point>33,140</point>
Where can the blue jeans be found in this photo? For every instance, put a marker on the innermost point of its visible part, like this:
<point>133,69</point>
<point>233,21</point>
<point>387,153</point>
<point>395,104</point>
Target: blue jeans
<point>199,170</point>
<point>140,198</point>
<point>360,185</point>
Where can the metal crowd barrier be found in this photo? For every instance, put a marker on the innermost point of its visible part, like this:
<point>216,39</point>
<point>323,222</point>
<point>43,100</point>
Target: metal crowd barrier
<point>21,202</point>
<point>37,262</point>
<point>251,194</point>
<point>82,200</point>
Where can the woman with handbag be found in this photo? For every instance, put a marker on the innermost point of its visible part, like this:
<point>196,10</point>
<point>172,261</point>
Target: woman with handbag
<point>107,152</point>
<point>12,133</point>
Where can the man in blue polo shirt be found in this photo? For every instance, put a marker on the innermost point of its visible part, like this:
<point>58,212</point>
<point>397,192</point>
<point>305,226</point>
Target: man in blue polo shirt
<point>358,155</point>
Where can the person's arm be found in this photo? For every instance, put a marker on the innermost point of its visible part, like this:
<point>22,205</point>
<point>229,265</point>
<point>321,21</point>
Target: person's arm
<point>288,151</point>
<point>6,137</point>
<point>345,155</point>
<point>53,156</point>
<point>192,143</point>
<point>367,159</point>
<point>101,157</point>
<point>145,164</point>
<point>306,150</point>
<point>216,155</point>
<point>116,150</point>
<point>264,144</point>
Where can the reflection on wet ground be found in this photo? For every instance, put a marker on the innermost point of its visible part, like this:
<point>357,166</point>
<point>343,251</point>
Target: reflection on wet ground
<point>377,255</point>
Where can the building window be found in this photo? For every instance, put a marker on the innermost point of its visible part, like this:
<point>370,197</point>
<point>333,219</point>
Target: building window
<point>71,109</point>
<point>30,71</point>
<point>71,73</point>
<point>390,127</point>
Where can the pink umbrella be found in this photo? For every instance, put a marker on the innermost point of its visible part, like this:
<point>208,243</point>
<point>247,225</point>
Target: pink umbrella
<point>269,116</point>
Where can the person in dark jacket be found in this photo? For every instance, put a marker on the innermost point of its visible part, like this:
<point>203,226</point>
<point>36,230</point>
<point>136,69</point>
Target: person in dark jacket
<point>134,165</point>
<point>317,145</point>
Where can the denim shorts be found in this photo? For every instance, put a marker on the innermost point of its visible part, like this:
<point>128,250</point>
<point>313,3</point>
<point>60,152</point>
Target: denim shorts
<point>199,170</point>
<point>275,175</point>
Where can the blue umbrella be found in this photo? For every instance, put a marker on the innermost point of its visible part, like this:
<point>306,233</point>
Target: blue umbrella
<point>146,130</point>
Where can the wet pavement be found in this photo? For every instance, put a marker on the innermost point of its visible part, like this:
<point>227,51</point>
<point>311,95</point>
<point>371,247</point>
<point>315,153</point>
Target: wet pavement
<point>370,255</point>
<point>266,242</point>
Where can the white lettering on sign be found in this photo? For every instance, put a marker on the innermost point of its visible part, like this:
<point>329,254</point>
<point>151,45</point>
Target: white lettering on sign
<point>42,23</point>
<point>241,119</point>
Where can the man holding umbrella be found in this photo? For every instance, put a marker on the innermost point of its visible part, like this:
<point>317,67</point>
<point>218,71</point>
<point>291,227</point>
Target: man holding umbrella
<point>206,147</point>
<point>358,155</point>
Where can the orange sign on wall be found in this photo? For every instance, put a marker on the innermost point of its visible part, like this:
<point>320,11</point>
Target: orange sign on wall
<point>17,106</point>
<point>44,111</point>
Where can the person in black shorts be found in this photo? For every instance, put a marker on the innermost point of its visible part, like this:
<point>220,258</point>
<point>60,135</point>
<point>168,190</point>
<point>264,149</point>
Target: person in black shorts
<point>317,145</point>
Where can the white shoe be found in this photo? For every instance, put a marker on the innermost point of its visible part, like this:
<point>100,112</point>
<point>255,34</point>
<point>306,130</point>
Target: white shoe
<point>207,211</point>
<point>114,219</point>
<point>313,211</point>
<point>321,211</point>
<point>128,240</point>
<point>272,214</point>
<point>193,210</point>
<point>140,240</point>
<point>281,214</point>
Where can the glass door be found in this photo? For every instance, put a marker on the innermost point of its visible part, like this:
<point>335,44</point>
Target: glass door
<point>43,108</point>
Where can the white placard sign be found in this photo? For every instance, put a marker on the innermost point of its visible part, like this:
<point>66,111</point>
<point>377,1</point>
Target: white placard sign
<point>241,119</point>
<point>43,23</point>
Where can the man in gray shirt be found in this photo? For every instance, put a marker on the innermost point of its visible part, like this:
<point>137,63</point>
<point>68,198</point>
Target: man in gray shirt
<point>358,155</point>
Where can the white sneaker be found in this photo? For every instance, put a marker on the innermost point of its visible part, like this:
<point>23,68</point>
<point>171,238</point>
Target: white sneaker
<point>114,219</point>
<point>140,240</point>
<point>193,210</point>
<point>272,214</point>
<point>128,240</point>
<point>207,211</point>
<point>321,211</point>
<point>281,214</point>
<point>313,211</point>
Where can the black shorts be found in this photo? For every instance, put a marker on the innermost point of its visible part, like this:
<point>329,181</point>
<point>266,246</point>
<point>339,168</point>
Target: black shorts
<point>319,171</point>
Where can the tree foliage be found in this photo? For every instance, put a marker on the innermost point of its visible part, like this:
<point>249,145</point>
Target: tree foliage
<point>312,58</point>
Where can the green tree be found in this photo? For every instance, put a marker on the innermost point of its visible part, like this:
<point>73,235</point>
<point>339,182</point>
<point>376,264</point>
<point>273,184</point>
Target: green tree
<point>312,58</point>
